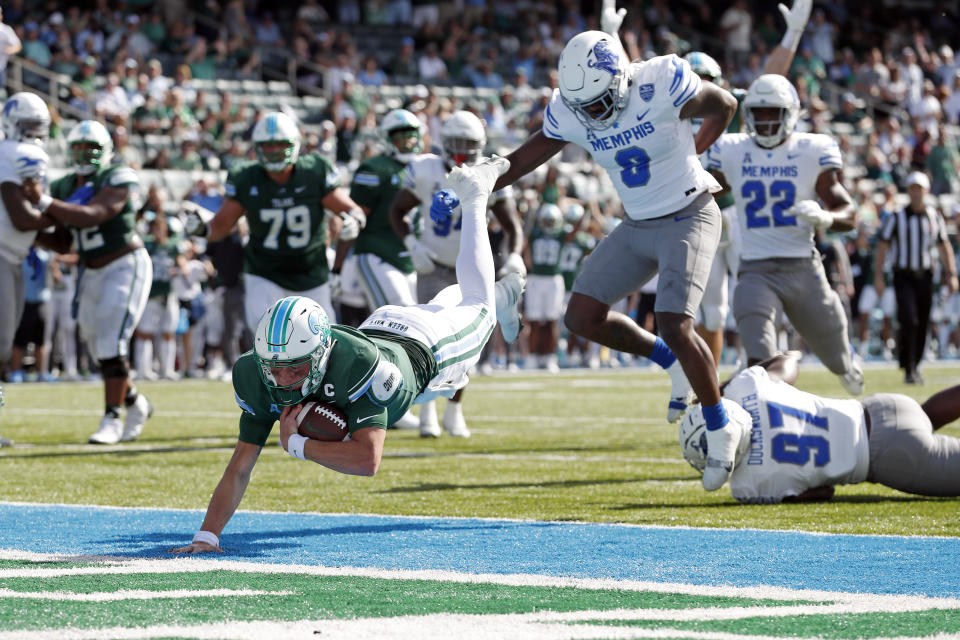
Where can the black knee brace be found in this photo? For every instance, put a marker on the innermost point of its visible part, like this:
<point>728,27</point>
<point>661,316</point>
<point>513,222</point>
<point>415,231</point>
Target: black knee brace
<point>114,368</point>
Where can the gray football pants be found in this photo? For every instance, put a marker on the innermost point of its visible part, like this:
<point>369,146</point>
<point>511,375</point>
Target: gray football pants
<point>11,306</point>
<point>797,287</point>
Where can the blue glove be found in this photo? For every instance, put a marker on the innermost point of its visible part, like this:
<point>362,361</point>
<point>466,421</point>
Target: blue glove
<point>444,202</point>
<point>83,195</point>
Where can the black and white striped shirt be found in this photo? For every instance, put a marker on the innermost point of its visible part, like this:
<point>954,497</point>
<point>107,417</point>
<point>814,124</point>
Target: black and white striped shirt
<point>913,236</point>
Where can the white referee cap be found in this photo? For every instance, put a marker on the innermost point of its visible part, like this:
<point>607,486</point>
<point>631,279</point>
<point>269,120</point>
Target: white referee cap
<point>920,178</point>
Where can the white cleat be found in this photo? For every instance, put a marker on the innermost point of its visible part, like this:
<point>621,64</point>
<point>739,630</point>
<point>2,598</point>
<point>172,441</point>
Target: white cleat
<point>852,380</point>
<point>477,181</point>
<point>109,432</point>
<point>681,393</point>
<point>429,425</point>
<point>507,292</point>
<point>137,415</point>
<point>722,445</point>
<point>406,421</point>
<point>453,422</point>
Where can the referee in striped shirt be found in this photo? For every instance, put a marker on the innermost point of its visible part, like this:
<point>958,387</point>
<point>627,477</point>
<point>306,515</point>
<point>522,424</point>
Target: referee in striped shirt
<point>911,234</point>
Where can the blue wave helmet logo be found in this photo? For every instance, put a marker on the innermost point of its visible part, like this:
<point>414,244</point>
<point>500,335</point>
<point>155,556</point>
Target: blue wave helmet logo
<point>604,58</point>
<point>10,106</point>
<point>26,162</point>
<point>313,321</point>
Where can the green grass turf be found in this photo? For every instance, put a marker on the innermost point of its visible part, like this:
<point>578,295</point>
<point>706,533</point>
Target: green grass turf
<point>590,447</point>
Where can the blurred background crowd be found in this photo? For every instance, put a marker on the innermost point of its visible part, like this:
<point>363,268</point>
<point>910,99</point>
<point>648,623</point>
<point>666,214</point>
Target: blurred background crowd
<point>181,85</point>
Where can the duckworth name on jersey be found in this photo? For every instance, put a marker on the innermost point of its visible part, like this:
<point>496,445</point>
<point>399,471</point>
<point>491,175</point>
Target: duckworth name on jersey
<point>751,404</point>
<point>615,140</point>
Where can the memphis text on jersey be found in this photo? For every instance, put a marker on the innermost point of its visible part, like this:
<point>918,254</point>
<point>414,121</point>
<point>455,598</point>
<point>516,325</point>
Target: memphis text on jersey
<point>615,140</point>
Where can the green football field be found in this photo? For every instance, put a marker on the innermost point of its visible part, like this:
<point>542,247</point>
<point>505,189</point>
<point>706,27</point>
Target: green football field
<point>578,447</point>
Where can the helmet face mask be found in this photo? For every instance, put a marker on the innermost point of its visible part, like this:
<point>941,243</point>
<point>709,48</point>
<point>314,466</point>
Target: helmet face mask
<point>549,218</point>
<point>593,79</point>
<point>693,438</point>
<point>771,110</point>
<point>403,134</point>
<point>89,147</point>
<point>276,139</point>
<point>292,346</point>
<point>463,139</point>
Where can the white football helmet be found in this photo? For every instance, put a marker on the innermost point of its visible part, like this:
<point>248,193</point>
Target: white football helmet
<point>462,138</point>
<point>574,213</point>
<point>704,66</point>
<point>26,118</point>
<point>771,91</point>
<point>89,147</point>
<point>593,79</point>
<point>402,120</point>
<point>292,345</point>
<point>693,435</point>
<point>549,217</point>
<point>277,126</point>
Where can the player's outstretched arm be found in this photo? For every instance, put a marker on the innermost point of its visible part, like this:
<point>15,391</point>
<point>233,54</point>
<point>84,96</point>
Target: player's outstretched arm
<point>358,456</point>
<point>537,149</point>
<point>106,204</point>
<point>944,407</point>
<point>351,214</point>
<point>19,200</point>
<point>836,201</point>
<point>715,106</point>
<point>796,17</point>
<point>226,498</point>
<point>402,204</point>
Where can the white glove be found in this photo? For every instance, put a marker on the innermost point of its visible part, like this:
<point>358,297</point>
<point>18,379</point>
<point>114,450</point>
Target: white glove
<point>420,254</point>
<point>353,222</point>
<point>611,18</point>
<point>196,219</point>
<point>513,264</point>
<point>336,285</point>
<point>476,182</point>
<point>797,16</point>
<point>811,213</point>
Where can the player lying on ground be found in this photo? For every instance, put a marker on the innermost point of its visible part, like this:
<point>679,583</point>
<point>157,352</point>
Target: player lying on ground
<point>801,445</point>
<point>399,355</point>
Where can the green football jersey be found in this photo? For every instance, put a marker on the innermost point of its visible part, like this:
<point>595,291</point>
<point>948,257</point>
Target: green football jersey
<point>288,232</point>
<point>117,232</point>
<point>375,184</point>
<point>545,252</point>
<point>164,258</point>
<point>373,377</point>
<point>572,255</point>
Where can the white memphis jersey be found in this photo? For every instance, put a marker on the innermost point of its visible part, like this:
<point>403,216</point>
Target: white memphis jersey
<point>649,151</point>
<point>799,441</point>
<point>425,175</point>
<point>766,182</point>
<point>18,160</point>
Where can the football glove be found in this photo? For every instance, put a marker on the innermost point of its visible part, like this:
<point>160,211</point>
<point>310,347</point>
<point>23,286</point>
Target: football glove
<point>611,18</point>
<point>336,285</point>
<point>420,254</point>
<point>513,264</point>
<point>83,195</point>
<point>797,16</point>
<point>811,213</point>
<point>196,219</point>
<point>444,202</point>
<point>476,181</point>
<point>353,222</point>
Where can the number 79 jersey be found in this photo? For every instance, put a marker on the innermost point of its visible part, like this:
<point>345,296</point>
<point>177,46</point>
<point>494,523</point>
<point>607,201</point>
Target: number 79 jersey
<point>649,152</point>
<point>798,441</point>
<point>288,232</point>
<point>765,183</point>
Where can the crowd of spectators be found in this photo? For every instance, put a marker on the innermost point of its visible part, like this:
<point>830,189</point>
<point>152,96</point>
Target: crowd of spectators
<point>885,83</point>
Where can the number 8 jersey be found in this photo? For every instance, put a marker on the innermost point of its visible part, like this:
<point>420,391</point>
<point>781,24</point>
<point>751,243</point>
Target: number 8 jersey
<point>765,183</point>
<point>649,151</point>
<point>799,441</point>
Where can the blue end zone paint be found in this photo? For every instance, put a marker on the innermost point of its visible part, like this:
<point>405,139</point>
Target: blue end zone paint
<point>872,564</point>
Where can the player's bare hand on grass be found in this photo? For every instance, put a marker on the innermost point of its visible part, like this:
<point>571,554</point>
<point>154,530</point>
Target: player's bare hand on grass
<point>196,547</point>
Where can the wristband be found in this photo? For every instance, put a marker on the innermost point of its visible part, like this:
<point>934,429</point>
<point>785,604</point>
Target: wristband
<point>208,537</point>
<point>791,39</point>
<point>295,446</point>
<point>44,203</point>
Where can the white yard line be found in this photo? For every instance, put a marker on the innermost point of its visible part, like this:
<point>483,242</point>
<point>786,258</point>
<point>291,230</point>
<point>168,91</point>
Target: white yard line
<point>137,594</point>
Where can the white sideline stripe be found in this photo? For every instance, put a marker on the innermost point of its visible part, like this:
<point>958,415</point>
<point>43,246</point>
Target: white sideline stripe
<point>137,594</point>
<point>125,566</point>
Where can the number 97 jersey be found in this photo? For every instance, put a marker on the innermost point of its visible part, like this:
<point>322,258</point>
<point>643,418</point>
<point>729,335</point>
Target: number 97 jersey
<point>765,183</point>
<point>798,441</point>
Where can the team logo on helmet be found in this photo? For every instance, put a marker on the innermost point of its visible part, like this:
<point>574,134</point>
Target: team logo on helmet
<point>646,91</point>
<point>10,106</point>
<point>604,58</point>
<point>313,322</point>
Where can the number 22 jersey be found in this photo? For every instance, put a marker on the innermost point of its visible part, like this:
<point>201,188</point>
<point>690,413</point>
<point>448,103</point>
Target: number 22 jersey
<point>649,152</point>
<point>798,441</point>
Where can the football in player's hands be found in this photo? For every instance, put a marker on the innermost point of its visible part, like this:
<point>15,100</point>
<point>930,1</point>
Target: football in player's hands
<point>322,421</point>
